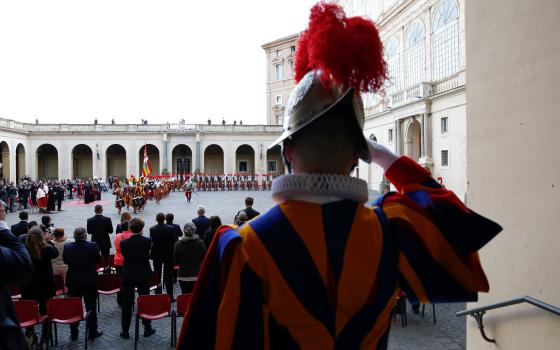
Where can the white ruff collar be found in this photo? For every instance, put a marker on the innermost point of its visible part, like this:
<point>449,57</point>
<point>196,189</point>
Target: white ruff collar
<point>319,188</point>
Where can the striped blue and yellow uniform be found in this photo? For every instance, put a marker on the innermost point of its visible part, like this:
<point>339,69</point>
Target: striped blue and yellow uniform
<point>326,276</point>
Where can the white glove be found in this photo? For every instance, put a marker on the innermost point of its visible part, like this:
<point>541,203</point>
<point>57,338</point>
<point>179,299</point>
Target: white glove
<point>381,155</point>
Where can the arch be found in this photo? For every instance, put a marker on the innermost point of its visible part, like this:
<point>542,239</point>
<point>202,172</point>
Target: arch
<point>47,161</point>
<point>445,40</point>
<point>153,158</point>
<point>5,161</point>
<point>82,161</point>
<point>20,161</point>
<point>245,160</point>
<point>115,156</point>
<point>413,140</point>
<point>415,53</point>
<point>274,155</point>
<point>181,159</point>
<point>214,159</point>
<point>392,57</point>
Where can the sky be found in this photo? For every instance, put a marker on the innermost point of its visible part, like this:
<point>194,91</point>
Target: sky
<point>74,61</point>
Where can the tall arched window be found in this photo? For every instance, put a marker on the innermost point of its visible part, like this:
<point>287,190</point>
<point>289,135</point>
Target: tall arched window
<point>415,53</point>
<point>445,40</point>
<point>392,57</point>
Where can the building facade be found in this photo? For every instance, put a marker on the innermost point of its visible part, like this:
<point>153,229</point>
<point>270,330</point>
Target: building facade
<point>421,111</point>
<point>279,76</point>
<point>78,150</point>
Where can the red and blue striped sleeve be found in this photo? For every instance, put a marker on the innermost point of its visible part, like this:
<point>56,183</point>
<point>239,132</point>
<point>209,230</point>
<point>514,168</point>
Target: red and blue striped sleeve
<point>437,235</point>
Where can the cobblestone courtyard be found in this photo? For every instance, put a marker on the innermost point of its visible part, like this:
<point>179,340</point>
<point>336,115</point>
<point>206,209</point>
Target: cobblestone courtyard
<point>421,333</point>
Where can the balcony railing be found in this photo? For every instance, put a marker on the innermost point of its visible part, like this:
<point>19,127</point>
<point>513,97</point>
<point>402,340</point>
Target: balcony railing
<point>143,128</point>
<point>418,92</point>
<point>478,312</point>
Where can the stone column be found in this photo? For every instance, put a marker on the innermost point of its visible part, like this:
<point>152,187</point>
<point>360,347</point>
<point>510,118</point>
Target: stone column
<point>396,138</point>
<point>165,159</point>
<point>199,160</point>
<point>426,154</point>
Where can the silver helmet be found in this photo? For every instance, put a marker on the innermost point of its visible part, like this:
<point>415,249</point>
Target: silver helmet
<point>311,99</point>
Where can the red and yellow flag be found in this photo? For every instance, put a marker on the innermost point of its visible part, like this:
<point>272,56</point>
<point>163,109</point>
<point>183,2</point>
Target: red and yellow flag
<point>147,168</point>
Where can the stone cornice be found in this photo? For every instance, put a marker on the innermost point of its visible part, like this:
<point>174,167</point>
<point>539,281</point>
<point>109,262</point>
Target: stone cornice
<point>36,129</point>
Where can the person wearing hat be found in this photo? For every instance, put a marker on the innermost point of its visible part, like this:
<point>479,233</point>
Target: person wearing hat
<point>321,270</point>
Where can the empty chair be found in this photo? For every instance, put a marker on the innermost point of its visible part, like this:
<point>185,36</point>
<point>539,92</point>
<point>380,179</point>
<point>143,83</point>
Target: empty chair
<point>183,302</point>
<point>107,284</point>
<point>153,307</point>
<point>66,311</point>
<point>27,312</point>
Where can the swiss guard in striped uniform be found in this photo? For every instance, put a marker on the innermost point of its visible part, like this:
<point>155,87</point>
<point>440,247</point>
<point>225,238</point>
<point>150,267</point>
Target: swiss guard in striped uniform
<point>322,270</point>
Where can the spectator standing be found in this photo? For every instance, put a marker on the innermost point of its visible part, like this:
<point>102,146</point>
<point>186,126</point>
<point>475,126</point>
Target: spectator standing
<point>215,222</point>
<point>163,241</point>
<point>46,221</point>
<point>169,217</point>
<point>201,222</point>
<point>59,195</point>
<point>119,259</point>
<point>189,253</point>
<point>59,241</point>
<point>124,217</point>
<point>241,218</point>
<point>51,198</point>
<point>42,286</point>
<point>12,194</point>
<point>99,227</point>
<point>135,274</point>
<point>17,267</point>
<point>251,213</point>
<point>81,257</point>
<point>21,227</point>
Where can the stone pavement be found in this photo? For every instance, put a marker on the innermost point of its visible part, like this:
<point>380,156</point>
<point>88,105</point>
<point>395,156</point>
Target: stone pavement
<point>422,334</point>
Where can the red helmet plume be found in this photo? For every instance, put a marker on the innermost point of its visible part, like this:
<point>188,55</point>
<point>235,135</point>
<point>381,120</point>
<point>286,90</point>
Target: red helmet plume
<point>347,50</point>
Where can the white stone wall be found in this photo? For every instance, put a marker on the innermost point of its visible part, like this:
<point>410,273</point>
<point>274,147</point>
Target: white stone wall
<point>65,138</point>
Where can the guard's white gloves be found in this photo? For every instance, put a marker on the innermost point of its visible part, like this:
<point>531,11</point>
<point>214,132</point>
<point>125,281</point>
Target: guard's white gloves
<point>381,155</point>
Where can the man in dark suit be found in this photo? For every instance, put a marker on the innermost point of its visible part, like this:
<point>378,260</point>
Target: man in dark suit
<point>59,192</point>
<point>81,278</point>
<point>163,242</point>
<point>135,273</point>
<point>169,217</point>
<point>21,227</point>
<point>99,227</point>
<point>201,222</point>
<point>249,211</point>
<point>17,268</point>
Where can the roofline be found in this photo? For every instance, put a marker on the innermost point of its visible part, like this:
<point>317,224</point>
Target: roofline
<point>280,41</point>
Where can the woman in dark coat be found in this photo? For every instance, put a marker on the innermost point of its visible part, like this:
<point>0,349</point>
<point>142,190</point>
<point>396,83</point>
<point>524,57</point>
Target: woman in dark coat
<point>215,222</point>
<point>42,286</point>
<point>189,253</point>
